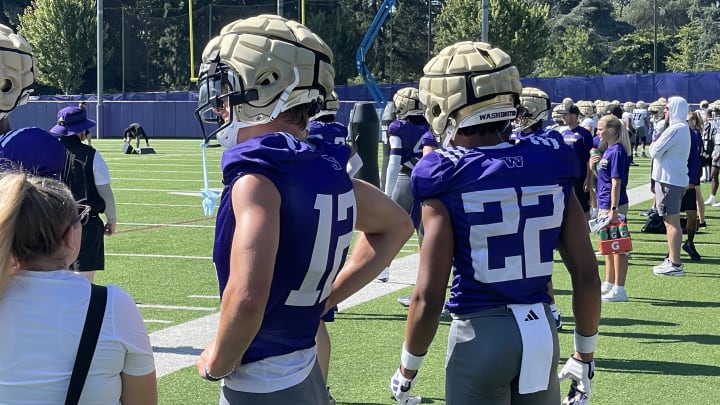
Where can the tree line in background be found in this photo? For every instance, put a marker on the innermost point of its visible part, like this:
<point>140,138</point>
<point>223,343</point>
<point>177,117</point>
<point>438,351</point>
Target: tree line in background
<point>147,42</point>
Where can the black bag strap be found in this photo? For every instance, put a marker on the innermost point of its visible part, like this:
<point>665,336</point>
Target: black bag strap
<point>88,342</point>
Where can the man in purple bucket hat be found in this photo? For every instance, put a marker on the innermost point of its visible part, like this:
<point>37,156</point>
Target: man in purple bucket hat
<point>88,177</point>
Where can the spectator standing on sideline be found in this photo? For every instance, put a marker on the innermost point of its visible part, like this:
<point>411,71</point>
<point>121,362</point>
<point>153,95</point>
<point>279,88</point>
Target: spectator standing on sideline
<point>690,201</point>
<point>88,177</point>
<point>658,124</point>
<point>40,230</point>
<point>83,105</point>
<point>405,137</point>
<point>581,141</point>
<point>286,215</point>
<point>480,197</point>
<point>714,130</point>
<point>708,144</point>
<point>135,131</point>
<point>612,199</point>
<point>670,154</point>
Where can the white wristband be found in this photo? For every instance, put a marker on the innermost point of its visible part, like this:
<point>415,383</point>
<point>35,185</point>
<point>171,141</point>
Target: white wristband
<point>585,344</point>
<point>409,360</point>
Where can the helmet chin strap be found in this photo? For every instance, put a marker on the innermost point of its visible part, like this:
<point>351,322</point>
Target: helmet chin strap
<point>450,132</point>
<point>285,95</point>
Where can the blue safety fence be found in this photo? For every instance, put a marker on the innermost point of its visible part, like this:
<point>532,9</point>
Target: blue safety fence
<point>171,114</point>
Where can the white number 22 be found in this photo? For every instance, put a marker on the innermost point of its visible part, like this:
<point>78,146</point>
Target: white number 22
<point>511,206</point>
<point>310,291</point>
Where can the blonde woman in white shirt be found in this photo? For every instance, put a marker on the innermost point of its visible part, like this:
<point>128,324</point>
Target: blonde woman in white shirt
<point>46,304</point>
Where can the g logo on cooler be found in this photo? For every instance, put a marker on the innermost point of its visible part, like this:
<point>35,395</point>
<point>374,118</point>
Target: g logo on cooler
<point>615,245</point>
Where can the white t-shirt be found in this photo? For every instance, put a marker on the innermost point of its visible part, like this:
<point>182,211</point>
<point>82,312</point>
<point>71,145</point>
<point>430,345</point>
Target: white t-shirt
<point>46,311</point>
<point>100,170</point>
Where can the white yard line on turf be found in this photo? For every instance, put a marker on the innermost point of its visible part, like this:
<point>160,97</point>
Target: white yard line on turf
<point>160,256</point>
<point>179,346</point>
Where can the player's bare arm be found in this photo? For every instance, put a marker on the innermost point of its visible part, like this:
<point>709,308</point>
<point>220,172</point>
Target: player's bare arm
<point>256,203</point>
<point>384,227</point>
<point>579,258</point>
<point>431,284</point>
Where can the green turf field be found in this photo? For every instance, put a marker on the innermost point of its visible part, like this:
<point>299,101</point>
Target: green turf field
<point>662,347</point>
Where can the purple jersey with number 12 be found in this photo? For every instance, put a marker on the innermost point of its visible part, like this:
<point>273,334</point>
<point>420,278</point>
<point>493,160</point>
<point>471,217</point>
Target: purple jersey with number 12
<point>506,204</point>
<point>317,218</point>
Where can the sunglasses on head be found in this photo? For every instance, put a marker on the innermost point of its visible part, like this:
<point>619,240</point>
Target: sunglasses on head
<point>82,217</point>
<point>83,214</point>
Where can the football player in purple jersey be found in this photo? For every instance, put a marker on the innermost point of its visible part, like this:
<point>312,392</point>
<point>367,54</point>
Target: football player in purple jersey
<point>286,215</point>
<point>323,125</point>
<point>493,214</point>
<point>535,105</point>
<point>405,138</point>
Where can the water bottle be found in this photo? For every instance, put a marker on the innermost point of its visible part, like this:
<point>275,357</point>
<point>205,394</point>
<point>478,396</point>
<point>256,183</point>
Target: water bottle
<point>614,234</point>
<point>594,152</point>
<point>623,230</point>
<point>603,234</point>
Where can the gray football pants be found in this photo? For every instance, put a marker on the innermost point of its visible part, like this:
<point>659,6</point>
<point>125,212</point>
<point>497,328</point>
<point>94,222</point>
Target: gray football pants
<point>482,365</point>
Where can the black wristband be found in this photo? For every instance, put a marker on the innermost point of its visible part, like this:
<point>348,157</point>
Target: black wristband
<point>211,377</point>
<point>613,208</point>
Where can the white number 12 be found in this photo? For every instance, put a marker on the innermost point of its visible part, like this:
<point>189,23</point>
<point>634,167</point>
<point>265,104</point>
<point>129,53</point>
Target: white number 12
<point>309,292</point>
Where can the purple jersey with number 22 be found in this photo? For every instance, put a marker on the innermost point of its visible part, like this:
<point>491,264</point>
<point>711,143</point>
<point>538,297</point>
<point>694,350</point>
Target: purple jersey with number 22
<point>506,205</point>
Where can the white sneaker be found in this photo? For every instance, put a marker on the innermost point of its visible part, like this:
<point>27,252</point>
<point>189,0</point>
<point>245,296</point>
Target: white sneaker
<point>710,200</point>
<point>606,287</point>
<point>617,294</point>
<point>717,204</point>
<point>384,276</point>
<point>668,269</point>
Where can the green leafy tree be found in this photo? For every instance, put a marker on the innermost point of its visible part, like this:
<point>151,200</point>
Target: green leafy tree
<point>516,26</point>
<point>713,60</point>
<point>573,59</point>
<point>598,17</point>
<point>671,14</point>
<point>634,53</point>
<point>62,33</point>
<point>334,26</point>
<point>686,55</point>
<point>11,9</point>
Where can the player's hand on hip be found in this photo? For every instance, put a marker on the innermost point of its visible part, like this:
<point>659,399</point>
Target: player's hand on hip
<point>580,373</point>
